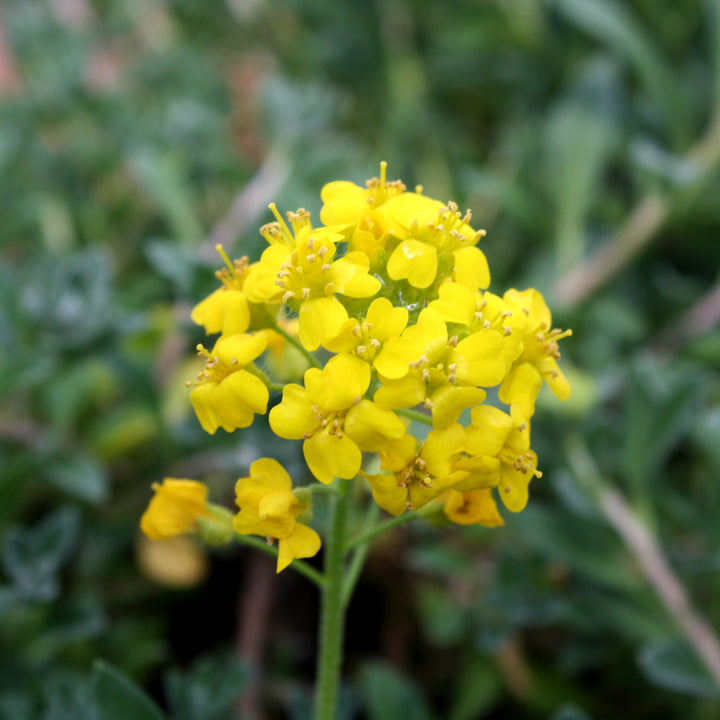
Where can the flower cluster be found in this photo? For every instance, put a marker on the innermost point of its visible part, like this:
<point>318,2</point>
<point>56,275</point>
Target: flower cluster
<point>385,310</point>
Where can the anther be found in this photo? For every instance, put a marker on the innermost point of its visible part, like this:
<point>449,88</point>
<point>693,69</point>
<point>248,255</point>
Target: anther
<point>453,341</point>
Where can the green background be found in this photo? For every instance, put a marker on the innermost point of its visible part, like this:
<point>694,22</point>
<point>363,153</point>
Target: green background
<point>584,135</point>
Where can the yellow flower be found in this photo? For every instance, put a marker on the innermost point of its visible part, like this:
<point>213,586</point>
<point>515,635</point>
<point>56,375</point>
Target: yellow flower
<point>269,508</point>
<point>226,395</point>
<point>364,339</point>
<point>476,507</point>
<point>333,419</point>
<point>226,310</point>
<point>539,356</point>
<point>427,231</point>
<point>423,365</point>
<point>298,269</point>
<point>499,446</point>
<point>415,476</point>
<point>347,203</point>
<point>175,508</point>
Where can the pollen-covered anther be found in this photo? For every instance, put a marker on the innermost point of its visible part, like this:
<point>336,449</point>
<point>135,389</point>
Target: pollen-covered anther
<point>522,426</point>
<point>361,350</point>
<point>288,295</point>
<point>307,435</point>
<point>409,505</point>
<point>375,343</point>
<point>329,288</point>
<point>422,360</point>
<point>526,311</point>
<point>426,375</point>
<point>310,245</point>
<point>270,540</point>
<point>322,251</point>
<point>280,283</point>
<point>356,331</point>
<point>325,267</point>
<point>357,399</point>
<point>487,324</point>
<point>507,330</point>
<point>428,404</point>
<point>234,361</point>
<point>310,258</point>
<point>478,316</point>
<point>306,293</point>
<point>420,463</point>
<point>453,341</point>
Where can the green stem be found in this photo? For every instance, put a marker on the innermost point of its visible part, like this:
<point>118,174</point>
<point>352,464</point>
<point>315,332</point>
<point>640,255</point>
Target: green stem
<point>332,614</point>
<point>296,343</point>
<point>302,567</point>
<point>416,415</point>
<point>358,559</point>
<point>269,382</point>
<point>365,537</point>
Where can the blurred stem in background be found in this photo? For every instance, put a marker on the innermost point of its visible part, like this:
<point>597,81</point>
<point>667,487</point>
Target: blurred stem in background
<point>645,548</point>
<point>644,222</point>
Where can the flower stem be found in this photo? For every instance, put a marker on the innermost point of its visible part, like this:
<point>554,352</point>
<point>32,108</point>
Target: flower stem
<point>365,537</point>
<point>359,555</point>
<point>296,343</point>
<point>416,415</point>
<point>332,614</point>
<point>299,565</point>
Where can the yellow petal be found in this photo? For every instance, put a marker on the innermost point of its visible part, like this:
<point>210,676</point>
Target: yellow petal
<point>521,386</point>
<point>224,310</point>
<point>387,321</point>
<point>513,488</point>
<point>406,392</point>
<point>456,303</point>
<point>240,350</point>
<point>303,543</point>
<point>342,382</point>
<point>448,402</point>
<point>387,493</point>
<point>415,262</point>
<point>484,364</point>
<point>398,454</point>
<point>294,416</point>
<point>330,456</point>
<point>440,449</point>
<point>474,507</point>
<point>320,319</point>
<point>372,428</point>
<point>350,276</point>
<point>174,508</point>
<point>488,432</point>
<point>471,268</point>
<point>202,401</point>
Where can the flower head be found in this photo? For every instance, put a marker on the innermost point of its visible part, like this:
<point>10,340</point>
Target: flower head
<point>538,357</point>
<point>418,473</point>
<point>269,508</point>
<point>335,422</point>
<point>226,395</point>
<point>175,508</point>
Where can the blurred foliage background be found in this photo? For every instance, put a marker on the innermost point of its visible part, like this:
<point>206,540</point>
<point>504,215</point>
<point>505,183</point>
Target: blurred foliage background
<point>135,134</point>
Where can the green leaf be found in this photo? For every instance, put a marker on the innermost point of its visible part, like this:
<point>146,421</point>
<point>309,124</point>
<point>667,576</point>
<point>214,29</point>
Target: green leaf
<point>661,405</point>
<point>673,664</point>
<point>613,24</point>
<point>81,477</point>
<point>388,695</point>
<point>570,711</point>
<point>118,698</point>
<point>478,689</point>
<point>208,690</point>
<point>31,557</point>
